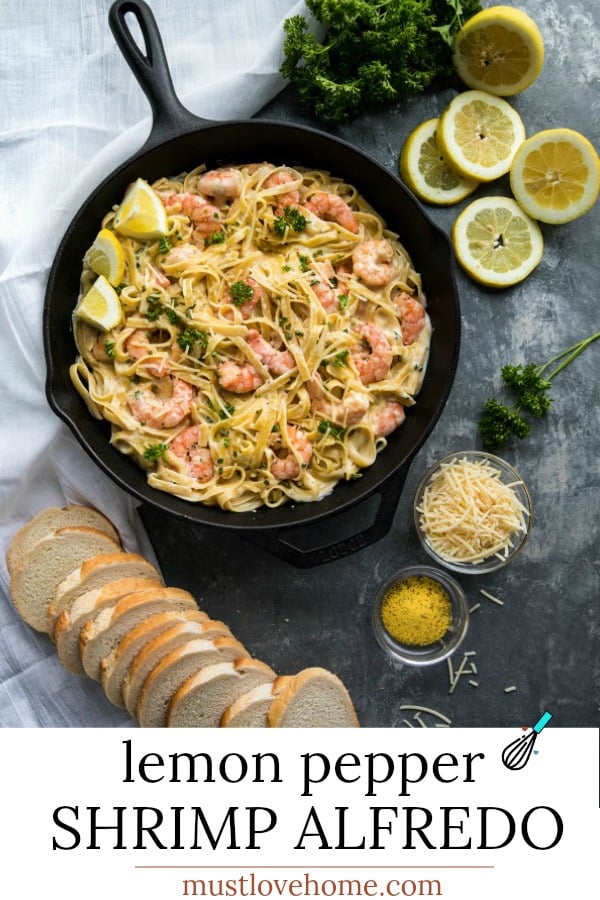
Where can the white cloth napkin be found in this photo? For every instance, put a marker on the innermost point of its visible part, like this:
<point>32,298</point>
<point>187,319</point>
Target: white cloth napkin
<point>71,112</point>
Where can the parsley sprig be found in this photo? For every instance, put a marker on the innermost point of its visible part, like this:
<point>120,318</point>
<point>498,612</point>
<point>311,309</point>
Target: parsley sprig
<point>373,53</point>
<point>290,218</point>
<point>529,384</point>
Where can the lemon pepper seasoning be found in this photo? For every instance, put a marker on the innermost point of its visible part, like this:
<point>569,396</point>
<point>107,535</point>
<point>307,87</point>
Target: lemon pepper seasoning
<point>416,610</point>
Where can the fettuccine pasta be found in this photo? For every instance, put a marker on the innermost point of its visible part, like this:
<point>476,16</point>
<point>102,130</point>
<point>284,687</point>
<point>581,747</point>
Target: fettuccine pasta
<point>271,340</point>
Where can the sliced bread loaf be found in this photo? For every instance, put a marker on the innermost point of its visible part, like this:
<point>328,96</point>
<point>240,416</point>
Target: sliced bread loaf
<point>115,667</point>
<point>50,520</point>
<point>96,572</point>
<point>174,669</point>
<point>47,563</point>
<point>100,635</point>
<point>203,698</point>
<point>70,622</point>
<point>250,710</point>
<point>314,698</point>
<point>149,657</point>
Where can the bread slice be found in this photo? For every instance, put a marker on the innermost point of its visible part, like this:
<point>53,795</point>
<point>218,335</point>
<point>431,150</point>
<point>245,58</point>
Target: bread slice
<point>115,667</point>
<point>50,520</point>
<point>250,710</point>
<point>203,698</point>
<point>314,698</point>
<point>174,669</point>
<point>47,563</point>
<point>71,621</point>
<point>101,635</point>
<point>94,573</point>
<point>154,651</point>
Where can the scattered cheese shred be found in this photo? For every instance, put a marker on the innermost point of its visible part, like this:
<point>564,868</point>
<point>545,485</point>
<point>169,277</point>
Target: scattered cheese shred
<point>426,709</point>
<point>510,689</point>
<point>467,513</point>
<point>491,597</point>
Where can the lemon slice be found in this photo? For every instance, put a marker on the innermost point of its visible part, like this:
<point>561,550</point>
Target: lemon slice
<point>499,50</point>
<point>495,242</point>
<point>426,172</point>
<point>106,257</point>
<point>555,175</point>
<point>141,215</point>
<point>101,306</point>
<point>479,134</point>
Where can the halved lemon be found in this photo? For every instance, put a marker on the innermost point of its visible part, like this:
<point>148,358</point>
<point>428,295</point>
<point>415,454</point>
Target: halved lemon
<point>101,306</point>
<point>555,175</point>
<point>106,257</point>
<point>427,173</point>
<point>141,215</point>
<point>499,50</point>
<point>495,242</point>
<point>479,134</point>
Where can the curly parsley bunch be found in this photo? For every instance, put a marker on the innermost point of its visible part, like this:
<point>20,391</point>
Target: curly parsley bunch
<point>375,52</point>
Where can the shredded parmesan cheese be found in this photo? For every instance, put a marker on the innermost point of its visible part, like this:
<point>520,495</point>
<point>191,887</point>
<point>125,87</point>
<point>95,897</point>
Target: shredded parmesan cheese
<point>468,514</point>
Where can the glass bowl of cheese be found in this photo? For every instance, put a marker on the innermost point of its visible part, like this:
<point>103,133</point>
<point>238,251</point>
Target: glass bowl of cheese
<point>472,512</point>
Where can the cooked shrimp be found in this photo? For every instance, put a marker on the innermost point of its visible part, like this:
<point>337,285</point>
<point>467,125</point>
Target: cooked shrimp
<point>332,208</point>
<point>221,184</point>
<point>181,257</point>
<point>372,262</point>
<point>411,315</point>
<point>283,176</point>
<point>138,347</point>
<point>388,418</point>
<point>159,277</point>
<point>291,459</point>
<point>239,379</point>
<point>277,361</point>
<point>246,307</point>
<point>99,347</point>
<point>160,412</point>
<point>373,356</point>
<point>197,459</point>
<point>331,285</point>
<point>204,216</point>
<point>348,411</point>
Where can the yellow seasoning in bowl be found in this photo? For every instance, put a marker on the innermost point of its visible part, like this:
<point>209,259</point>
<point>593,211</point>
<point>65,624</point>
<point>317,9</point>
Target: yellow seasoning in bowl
<point>416,610</point>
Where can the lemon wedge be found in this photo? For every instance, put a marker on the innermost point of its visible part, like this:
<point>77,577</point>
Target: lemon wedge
<point>479,134</point>
<point>101,306</point>
<point>106,257</point>
<point>141,215</point>
<point>555,175</point>
<point>427,173</point>
<point>499,50</point>
<point>495,242</point>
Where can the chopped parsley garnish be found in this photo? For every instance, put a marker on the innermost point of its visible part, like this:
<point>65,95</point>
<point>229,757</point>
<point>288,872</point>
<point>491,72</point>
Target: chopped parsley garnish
<point>327,427</point>
<point>291,218</point>
<point>217,237</point>
<point>286,268</point>
<point>120,287</point>
<point>154,307</point>
<point>340,359</point>
<point>190,337</point>
<point>227,410</point>
<point>241,292</point>
<point>172,316</point>
<point>165,245</point>
<point>109,349</point>
<point>154,452</point>
<point>343,301</point>
<point>304,263</point>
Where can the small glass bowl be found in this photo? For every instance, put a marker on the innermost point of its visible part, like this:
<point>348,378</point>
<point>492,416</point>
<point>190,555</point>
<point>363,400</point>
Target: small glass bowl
<point>414,654</point>
<point>508,475</point>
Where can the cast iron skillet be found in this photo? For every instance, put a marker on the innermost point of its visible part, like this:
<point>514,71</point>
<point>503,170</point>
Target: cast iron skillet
<point>179,141</point>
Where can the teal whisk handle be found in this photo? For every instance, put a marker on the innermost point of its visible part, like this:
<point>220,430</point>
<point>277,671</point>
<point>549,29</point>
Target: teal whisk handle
<point>542,722</point>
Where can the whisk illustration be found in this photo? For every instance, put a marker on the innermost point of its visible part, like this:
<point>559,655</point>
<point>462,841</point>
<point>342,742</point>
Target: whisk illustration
<point>516,754</point>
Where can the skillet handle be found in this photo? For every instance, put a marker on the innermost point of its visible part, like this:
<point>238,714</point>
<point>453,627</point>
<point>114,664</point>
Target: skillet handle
<point>281,543</point>
<point>151,69</point>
